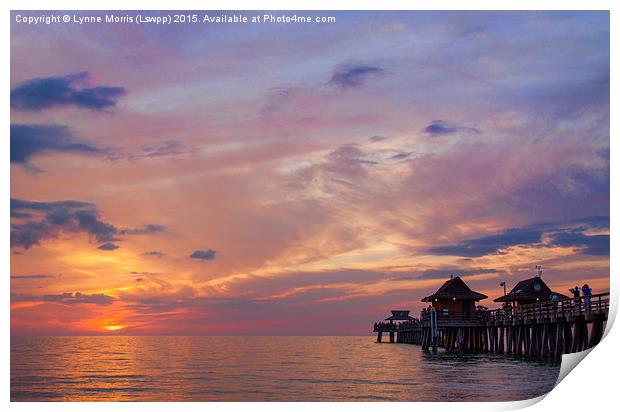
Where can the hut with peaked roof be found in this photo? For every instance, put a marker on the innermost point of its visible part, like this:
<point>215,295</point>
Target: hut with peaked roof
<point>455,299</point>
<point>399,315</point>
<point>529,291</point>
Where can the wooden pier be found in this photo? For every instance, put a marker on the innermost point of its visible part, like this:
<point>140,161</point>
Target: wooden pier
<point>546,329</point>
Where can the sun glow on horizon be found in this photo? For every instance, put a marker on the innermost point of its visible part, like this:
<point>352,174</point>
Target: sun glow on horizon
<point>113,327</point>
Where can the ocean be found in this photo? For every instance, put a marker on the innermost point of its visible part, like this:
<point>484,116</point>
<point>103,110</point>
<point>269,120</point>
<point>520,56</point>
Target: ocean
<point>273,368</point>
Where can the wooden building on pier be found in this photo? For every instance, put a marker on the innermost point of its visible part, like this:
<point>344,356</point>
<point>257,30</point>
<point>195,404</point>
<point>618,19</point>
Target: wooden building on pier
<point>455,299</point>
<point>399,316</point>
<point>530,291</point>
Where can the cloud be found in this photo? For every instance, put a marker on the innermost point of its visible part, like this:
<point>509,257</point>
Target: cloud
<point>490,244</point>
<point>17,277</point>
<point>353,75</point>
<point>28,140</point>
<point>144,230</point>
<point>29,234</point>
<point>347,159</point>
<point>144,273</point>
<point>569,234</point>
<point>437,127</point>
<point>20,204</point>
<point>20,215</point>
<point>343,164</point>
<point>154,253</point>
<point>48,92</point>
<point>401,156</point>
<point>88,221</point>
<point>497,182</point>
<point>301,280</point>
<point>597,245</point>
<point>165,149</point>
<point>67,298</point>
<point>277,98</point>
<point>440,127</point>
<point>108,246</point>
<point>203,254</point>
<point>49,219</point>
<point>595,222</point>
<point>442,273</point>
<point>343,169</point>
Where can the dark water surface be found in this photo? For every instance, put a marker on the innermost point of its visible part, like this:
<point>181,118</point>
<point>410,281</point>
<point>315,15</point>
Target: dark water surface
<point>118,368</point>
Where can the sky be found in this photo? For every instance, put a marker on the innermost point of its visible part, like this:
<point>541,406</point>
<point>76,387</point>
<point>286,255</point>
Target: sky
<point>301,179</point>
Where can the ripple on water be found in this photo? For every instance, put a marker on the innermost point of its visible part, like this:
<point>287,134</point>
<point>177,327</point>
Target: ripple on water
<point>262,368</point>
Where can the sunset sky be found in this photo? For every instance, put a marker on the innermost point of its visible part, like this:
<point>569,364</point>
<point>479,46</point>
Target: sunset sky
<point>302,179</point>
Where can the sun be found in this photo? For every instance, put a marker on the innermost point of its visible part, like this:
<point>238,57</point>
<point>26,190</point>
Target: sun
<point>112,326</point>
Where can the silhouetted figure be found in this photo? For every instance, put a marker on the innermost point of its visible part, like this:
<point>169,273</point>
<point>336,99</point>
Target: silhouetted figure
<point>576,301</point>
<point>507,310</point>
<point>587,293</point>
<point>554,301</point>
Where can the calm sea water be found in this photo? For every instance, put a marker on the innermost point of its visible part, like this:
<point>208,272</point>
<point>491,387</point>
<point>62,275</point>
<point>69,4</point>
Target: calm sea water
<point>262,369</point>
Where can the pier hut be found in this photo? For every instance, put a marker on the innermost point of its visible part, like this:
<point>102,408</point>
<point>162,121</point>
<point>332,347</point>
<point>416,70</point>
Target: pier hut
<point>397,316</point>
<point>454,300</point>
<point>530,291</point>
<point>452,320</point>
<point>392,324</point>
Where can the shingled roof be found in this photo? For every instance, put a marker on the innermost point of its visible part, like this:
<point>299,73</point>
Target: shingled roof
<point>530,289</point>
<point>455,288</point>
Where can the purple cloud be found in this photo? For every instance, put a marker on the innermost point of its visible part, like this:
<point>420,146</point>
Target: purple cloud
<point>353,75</point>
<point>47,92</point>
<point>28,140</point>
<point>203,254</point>
<point>49,219</point>
<point>108,246</point>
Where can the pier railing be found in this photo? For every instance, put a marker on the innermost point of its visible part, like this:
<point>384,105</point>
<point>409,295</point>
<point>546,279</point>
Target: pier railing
<point>396,327</point>
<point>385,327</point>
<point>445,319</point>
<point>564,308</point>
<point>454,316</point>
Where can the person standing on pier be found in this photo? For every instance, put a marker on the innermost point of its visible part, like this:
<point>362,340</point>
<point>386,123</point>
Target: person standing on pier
<point>575,304</point>
<point>587,293</point>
